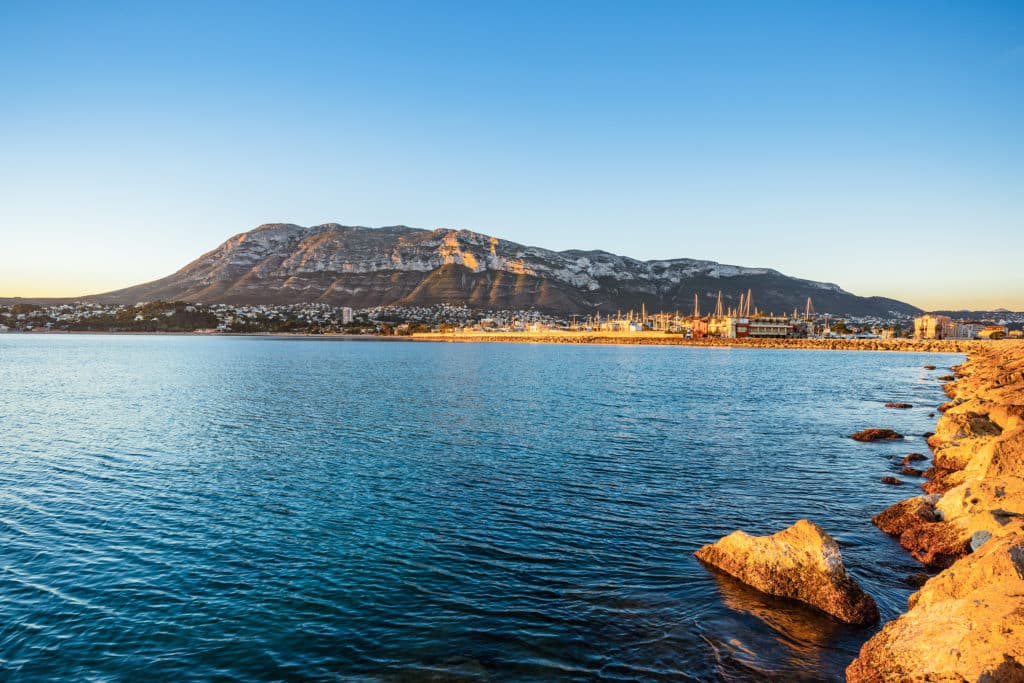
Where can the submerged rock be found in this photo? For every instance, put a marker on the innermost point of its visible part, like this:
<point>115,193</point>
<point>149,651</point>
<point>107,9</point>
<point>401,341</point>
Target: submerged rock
<point>801,563</point>
<point>913,457</point>
<point>892,481</point>
<point>876,435</point>
<point>911,471</point>
<point>899,405</point>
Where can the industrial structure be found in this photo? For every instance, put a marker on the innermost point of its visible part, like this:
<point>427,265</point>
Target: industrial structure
<point>731,322</point>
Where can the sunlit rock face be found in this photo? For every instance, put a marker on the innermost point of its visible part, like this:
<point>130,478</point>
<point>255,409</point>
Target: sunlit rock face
<point>357,266</point>
<point>802,563</point>
<point>966,624</point>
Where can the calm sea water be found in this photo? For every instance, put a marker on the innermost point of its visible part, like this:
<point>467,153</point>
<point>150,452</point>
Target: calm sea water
<point>185,508</point>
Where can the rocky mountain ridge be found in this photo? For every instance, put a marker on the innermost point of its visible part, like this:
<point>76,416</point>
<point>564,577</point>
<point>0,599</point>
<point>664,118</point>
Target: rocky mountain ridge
<point>358,266</point>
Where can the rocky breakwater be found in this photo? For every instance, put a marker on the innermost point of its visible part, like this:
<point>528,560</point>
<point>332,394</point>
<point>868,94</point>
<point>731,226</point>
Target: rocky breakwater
<point>967,622</point>
<point>664,339</point>
<point>801,563</point>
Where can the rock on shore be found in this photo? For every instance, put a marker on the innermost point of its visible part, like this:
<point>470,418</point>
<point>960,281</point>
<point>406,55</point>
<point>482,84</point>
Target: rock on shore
<point>802,563</point>
<point>967,622</point>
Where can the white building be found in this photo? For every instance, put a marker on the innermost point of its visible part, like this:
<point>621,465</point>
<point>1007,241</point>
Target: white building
<point>968,330</point>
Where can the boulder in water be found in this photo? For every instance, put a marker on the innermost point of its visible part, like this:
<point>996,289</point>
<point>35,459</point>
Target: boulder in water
<point>876,435</point>
<point>801,563</point>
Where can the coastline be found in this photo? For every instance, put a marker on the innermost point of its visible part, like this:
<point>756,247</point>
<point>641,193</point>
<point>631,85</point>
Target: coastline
<point>656,339</point>
<point>588,339</point>
<point>966,622</point>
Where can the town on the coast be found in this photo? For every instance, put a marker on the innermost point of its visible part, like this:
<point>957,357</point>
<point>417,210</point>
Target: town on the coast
<point>740,321</point>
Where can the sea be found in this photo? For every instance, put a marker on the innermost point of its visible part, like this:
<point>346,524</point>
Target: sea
<point>190,508</point>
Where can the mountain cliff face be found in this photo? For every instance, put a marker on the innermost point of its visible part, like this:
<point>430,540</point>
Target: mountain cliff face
<point>360,267</point>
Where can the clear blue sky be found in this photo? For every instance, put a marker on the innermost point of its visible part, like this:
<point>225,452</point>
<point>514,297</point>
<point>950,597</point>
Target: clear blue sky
<point>876,145</point>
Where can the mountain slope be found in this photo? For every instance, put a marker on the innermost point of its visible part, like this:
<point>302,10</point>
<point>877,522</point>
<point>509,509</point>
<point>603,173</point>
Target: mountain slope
<point>359,267</point>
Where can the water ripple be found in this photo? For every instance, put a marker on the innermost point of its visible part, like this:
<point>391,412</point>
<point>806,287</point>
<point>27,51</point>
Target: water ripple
<point>255,509</point>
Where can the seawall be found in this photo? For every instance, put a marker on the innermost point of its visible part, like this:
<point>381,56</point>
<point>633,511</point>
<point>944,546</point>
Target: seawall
<point>662,339</point>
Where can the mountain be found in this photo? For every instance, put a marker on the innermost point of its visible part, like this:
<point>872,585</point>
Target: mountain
<point>282,263</point>
<point>962,314</point>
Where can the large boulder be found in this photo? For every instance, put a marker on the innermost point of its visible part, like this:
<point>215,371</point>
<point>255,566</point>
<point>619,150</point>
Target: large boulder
<point>936,545</point>
<point>966,624</point>
<point>953,426</point>
<point>921,530</point>
<point>1000,456</point>
<point>802,563</point>
<point>989,505</point>
<point>955,455</point>
<point>906,514</point>
<point>1009,416</point>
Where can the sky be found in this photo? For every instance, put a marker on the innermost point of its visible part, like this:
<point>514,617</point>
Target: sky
<point>879,146</point>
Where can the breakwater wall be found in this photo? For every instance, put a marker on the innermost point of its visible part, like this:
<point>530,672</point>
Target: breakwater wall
<point>661,339</point>
<point>966,623</point>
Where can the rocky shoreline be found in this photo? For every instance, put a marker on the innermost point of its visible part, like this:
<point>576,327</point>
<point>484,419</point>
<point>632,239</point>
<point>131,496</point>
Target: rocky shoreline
<point>661,339</point>
<point>966,622</point>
